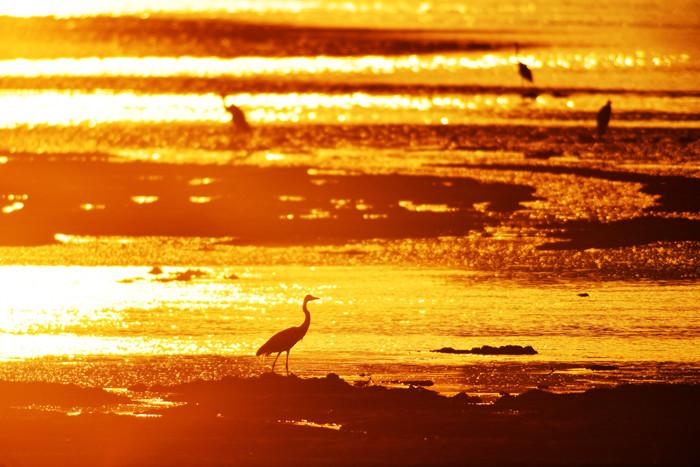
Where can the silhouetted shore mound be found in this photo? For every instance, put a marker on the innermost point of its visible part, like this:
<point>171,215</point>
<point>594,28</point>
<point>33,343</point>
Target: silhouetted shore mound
<point>278,420</point>
<point>19,394</point>
<point>489,350</point>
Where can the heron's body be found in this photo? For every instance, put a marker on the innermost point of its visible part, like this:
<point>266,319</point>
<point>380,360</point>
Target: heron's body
<point>283,341</point>
<point>524,72</point>
<point>238,120</point>
<point>603,118</point>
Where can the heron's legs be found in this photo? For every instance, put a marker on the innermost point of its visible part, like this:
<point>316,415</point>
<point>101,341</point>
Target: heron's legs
<point>287,363</point>
<point>273,363</point>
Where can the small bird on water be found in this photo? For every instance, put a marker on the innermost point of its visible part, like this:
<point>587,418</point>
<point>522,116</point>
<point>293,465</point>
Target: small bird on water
<point>604,118</point>
<point>283,341</point>
<point>523,70</point>
<point>238,120</point>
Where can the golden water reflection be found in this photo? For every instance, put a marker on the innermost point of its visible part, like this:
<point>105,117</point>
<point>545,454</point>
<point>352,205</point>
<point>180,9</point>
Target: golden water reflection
<point>366,312</point>
<point>72,8</point>
<point>92,108</point>
<point>370,64</point>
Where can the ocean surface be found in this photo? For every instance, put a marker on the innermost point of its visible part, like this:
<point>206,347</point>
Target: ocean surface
<point>398,168</point>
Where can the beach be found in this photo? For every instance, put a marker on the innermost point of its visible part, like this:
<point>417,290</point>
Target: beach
<point>273,420</point>
<point>499,273</point>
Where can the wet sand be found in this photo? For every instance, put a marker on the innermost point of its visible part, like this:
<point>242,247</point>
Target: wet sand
<point>299,204</point>
<point>283,205</point>
<point>397,155</point>
<point>273,419</point>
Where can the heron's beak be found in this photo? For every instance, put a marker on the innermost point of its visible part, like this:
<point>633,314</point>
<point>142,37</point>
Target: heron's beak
<point>313,298</point>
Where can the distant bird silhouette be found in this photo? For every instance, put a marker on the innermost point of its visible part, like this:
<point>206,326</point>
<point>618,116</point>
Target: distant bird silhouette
<point>238,120</point>
<point>283,341</point>
<point>523,70</point>
<point>604,118</point>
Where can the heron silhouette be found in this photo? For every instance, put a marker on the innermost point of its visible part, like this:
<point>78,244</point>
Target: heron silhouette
<point>523,70</point>
<point>238,120</point>
<point>283,341</point>
<point>603,118</point>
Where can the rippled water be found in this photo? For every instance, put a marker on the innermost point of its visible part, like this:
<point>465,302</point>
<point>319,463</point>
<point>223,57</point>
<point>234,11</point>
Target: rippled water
<point>369,319</point>
<point>398,168</point>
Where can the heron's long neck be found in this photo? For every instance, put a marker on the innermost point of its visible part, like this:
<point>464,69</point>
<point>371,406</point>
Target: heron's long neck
<point>307,318</point>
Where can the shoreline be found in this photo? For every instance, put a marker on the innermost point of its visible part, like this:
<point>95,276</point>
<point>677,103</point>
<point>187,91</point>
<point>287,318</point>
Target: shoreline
<point>285,420</point>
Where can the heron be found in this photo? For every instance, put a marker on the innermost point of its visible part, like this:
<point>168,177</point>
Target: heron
<point>238,120</point>
<point>604,118</point>
<point>283,341</point>
<point>523,70</point>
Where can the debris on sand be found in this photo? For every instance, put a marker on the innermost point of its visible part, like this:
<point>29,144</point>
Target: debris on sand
<point>183,276</point>
<point>415,382</point>
<point>599,367</point>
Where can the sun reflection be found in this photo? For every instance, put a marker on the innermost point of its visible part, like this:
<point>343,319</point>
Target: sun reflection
<point>202,181</point>
<point>16,206</point>
<point>72,8</point>
<point>324,65</point>
<point>291,198</point>
<point>150,199</point>
<point>92,108</point>
<point>274,156</point>
<point>125,310</point>
<point>307,423</point>
<point>92,207</point>
<point>316,214</point>
<point>14,202</point>
<point>200,199</point>
<point>411,206</point>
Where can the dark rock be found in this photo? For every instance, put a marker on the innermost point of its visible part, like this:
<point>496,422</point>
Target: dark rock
<point>184,276</point>
<point>601,367</point>
<point>489,350</point>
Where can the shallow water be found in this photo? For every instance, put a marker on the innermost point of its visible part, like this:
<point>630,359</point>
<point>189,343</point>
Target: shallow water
<point>398,168</point>
<point>379,313</point>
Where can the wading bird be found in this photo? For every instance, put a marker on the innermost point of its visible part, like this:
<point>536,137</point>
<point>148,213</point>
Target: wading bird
<point>604,118</point>
<point>523,70</point>
<point>238,120</point>
<point>283,341</point>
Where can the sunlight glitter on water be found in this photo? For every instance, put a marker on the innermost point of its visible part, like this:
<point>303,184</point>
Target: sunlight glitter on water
<point>74,108</point>
<point>366,313</point>
<point>73,8</point>
<point>447,14</point>
<point>375,64</point>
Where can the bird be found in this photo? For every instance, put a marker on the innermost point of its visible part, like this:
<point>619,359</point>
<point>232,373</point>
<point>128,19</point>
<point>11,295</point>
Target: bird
<point>523,70</point>
<point>284,340</point>
<point>604,118</point>
<point>238,120</point>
